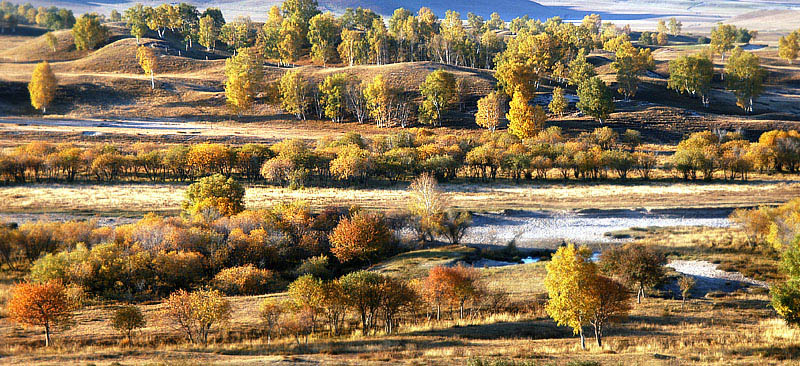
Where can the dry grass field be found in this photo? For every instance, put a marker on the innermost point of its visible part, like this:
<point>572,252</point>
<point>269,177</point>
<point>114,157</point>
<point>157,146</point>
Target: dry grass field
<point>139,198</point>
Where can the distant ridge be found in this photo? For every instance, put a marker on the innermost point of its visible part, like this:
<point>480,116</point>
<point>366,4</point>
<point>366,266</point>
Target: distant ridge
<point>257,9</point>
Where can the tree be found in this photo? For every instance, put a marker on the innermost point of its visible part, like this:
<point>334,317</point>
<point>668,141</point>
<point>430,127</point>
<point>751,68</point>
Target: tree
<point>196,313</point>
<point>428,202</point>
<point>270,311</point>
<point>333,95</point>
<point>630,63</point>
<point>675,26</point>
<point>88,32</point>
<point>723,37</point>
<point>558,104</point>
<point>149,63</point>
<point>136,18</point>
<point>525,121</point>
<point>51,40</point>
<point>40,304</point>
<point>354,49</point>
<point>307,293</point>
<point>636,265</point>
<point>244,73</point>
<point>208,32</point>
<point>269,36</point>
<point>225,196</point>
<point>610,301</point>
<point>42,87</point>
<point>580,70</point>
<point>789,46</point>
<point>292,37</point>
<point>438,93</point>
<point>745,77</point>
<point>363,293</point>
<point>379,97</point>
<point>360,237</point>
<point>662,39</point>
<point>594,99</point>
<point>303,9</point>
<point>662,26</point>
<point>570,275</point>
<point>378,39</point>
<point>456,285</point>
<point>691,74</point>
<point>324,33</point>
<point>686,284</point>
<point>127,319</point>
<point>294,89</point>
<point>490,111</point>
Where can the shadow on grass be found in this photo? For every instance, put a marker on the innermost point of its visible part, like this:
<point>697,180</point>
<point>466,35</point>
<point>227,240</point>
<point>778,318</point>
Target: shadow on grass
<point>791,352</point>
<point>502,330</point>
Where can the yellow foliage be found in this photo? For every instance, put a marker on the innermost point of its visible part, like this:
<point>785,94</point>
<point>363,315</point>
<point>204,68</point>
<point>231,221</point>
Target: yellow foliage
<point>42,86</point>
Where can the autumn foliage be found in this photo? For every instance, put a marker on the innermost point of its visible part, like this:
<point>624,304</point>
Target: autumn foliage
<point>361,237</point>
<point>40,304</point>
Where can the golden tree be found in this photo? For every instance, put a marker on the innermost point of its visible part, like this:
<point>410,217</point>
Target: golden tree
<point>244,73</point>
<point>51,40</point>
<point>149,63</point>
<point>570,275</point>
<point>490,111</point>
<point>379,96</point>
<point>196,313</point>
<point>558,104</point>
<point>40,304</point>
<point>42,86</point>
<point>789,46</point>
<point>293,90</point>
<point>525,121</point>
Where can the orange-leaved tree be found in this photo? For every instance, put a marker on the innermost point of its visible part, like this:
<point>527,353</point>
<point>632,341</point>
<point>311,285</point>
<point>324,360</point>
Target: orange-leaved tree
<point>456,285</point>
<point>361,237</point>
<point>40,304</point>
<point>42,86</point>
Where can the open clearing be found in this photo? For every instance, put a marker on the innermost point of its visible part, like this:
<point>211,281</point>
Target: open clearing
<point>137,199</point>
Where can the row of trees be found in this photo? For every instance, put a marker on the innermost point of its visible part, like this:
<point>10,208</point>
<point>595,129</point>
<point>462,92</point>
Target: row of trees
<point>401,156</point>
<point>48,17</point>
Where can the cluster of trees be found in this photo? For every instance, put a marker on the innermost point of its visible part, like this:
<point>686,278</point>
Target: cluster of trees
<point>404,155</point>
<point>709,152</point>
<point>581,292</point>
<point>52,17</point>
<point>777,229</point>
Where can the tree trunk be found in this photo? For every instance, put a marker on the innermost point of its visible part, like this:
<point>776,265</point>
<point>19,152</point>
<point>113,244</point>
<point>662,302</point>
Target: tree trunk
<point>598,335</point>
<point>47,335</point>
<point>583,338</point>
<point>152,80</point>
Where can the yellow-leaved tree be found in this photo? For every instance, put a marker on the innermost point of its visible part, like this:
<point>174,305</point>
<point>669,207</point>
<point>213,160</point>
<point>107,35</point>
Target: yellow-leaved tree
<point>525,121</point>
<point>148,61</point>
<point>490,110</point>
<point>570,274</point>
<point>42,86</point>
<point>244,73</point>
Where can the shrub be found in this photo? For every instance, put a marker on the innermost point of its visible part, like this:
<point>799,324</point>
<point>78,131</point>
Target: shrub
<point>196,313</point>
<point>127,319</point>
<point>361,237</point>
<point>316,266</point>
<point>244,280</point>
<point>224,195</point>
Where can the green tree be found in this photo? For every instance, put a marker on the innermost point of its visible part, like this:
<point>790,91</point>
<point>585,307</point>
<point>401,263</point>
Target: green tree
<point>363,293</point>
<point>324,33</point>
<point>292,38</point>
<point>42,87</point>
<point>88,32</point>
<point>438,93</point>
<point>244,73</point>
<point>723,37</point>
<point>333,95</point>
<point>580,70</point>
<point>452,32</point>
<point>639,266</point>
<point>51,40</point>
<point>675,26</point>
<point>208,32</point>
<point>136,18</point>
<point>269,36</point>
<point>524,120</point>
<point>224,195</point>
<point>294,94</point>
<point>594,99</point>
<point>630,64</point>
<point>691,74</point>
<point>558,104</point>
<point>745,77</point>
<point>789,46</point>
<point>354,49</point>
<point>127,319</point>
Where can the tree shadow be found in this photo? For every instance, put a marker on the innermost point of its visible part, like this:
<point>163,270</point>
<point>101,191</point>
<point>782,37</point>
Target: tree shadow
<point>536,329</point>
